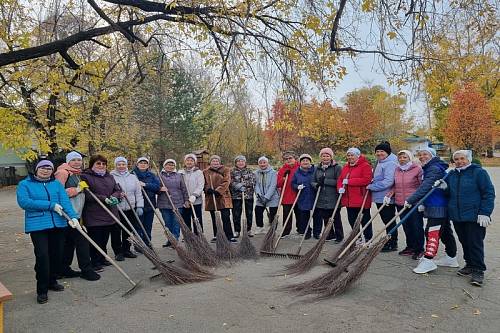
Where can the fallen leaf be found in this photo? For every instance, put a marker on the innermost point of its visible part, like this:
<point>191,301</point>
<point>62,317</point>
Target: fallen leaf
<point>305,314</point>
<point>229,279</point>
<point>272,307</point>
<point>454,307</point>
<point>224,324</point>
<point>434,316</point>
<point>171,316</point>
<point>477,312</point>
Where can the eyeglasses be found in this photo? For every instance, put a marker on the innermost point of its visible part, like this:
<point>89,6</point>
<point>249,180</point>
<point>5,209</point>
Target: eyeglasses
<point>46,168</point>
<point>100,163</point>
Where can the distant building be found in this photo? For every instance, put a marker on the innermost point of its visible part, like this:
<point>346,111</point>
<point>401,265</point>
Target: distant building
<point>415,142</point>
<point>12,168</point>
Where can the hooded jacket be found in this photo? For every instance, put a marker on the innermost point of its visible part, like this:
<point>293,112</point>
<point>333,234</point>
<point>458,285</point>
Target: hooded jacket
<point>219,178</point>
<point>304,177</point>
<point>471,193</point>
<point>359,175</point>
<point>176,188</point>
<point>265,187</point>
<point>289,194</point>
<point>195,182</point>
<point>242,178</point>
<point>38,199</point>
<point>70,177</point>
<point>152,186</point>
<point>103,187</point>
<point>328,192</point>
<point>129,184</point>
<point>436,204</point>
<point>406,183</point>
<point>383,178</point>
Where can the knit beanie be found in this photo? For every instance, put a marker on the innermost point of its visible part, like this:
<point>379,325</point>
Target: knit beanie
<point>305,156</point>
<point>263,158</point>
<point>120,159</point>
<point>407,152</point>
<point>466,153</point>
<point>214,157</point>
<point>193,156</point>
<point>385,146</point>
<point>169,160</point>
<point>354,151</point>
<point>140,159</point>
<point>430,150</point>
<point>328,151</point>
<point>240,158</point>
<point>44,163</point>
<point>73,155</point>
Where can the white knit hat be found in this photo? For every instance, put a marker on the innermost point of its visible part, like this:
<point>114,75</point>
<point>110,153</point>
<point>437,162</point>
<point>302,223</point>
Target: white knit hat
<point>467,153</point>
<point>72,156</point>
<point>169,160</point>
<point>354,151</point>
<point>140,159</point>
<point>407,152</point>
<point>120,159</point>
<point>193,156</point>
<point>305,156</point>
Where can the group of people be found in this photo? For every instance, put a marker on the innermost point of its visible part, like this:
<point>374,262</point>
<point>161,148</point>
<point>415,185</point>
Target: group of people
<point>95,198</point>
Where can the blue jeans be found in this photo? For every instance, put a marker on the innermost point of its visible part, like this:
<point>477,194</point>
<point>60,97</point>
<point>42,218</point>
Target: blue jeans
<point>147,222</point>
<point>171,221</point>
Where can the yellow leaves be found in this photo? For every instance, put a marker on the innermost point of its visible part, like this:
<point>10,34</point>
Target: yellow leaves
<point>313,23</point>
<point>391,34</point>
<point>368,5</point>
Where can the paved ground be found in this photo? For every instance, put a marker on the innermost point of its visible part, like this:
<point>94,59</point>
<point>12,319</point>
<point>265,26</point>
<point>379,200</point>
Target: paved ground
<point>389,298</point>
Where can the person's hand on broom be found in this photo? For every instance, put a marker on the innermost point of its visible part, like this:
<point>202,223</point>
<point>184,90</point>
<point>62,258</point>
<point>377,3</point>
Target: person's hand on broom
<point>112,201</point>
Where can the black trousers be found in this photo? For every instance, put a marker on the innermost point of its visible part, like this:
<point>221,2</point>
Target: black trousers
<point>414,229</point>
<point>352,214</point>
<point>226,222</point>
<point>304,216</point>
<point>48,247</point>
<point>73,240</point>
<point>259,215</point>
<point>237,211</point>
<point>471,236</point>
<point>187,215</point>
<point>439,229</point>
<point>100,235</point>
<point>125,244</point>
<point>288,223</point>
<point>386,214</point>
<point>321,216</point>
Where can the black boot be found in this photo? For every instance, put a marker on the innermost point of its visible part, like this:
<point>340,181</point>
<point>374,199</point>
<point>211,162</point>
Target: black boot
<point>69,273</point>
<point>42,298</point>
<point>56,287</point>
<point>90,275</point>
<point>477,278</point>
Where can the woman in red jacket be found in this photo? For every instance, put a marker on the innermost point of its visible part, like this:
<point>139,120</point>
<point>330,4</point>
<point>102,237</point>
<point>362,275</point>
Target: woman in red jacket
<point>291,165</point>
<point>355,176</point>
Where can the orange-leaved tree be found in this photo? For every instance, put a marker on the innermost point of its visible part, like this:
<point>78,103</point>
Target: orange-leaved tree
<point>470,120</point>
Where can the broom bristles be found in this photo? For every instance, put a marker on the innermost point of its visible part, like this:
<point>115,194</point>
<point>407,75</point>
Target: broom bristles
<point>246,250</point>
<point>223,248</point>
<point>268,241</point>
<point>352,235</point>
<point>353,273</point>
<point>309,259</point>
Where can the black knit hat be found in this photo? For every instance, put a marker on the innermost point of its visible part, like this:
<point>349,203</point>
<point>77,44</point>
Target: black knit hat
<point>385,146</point>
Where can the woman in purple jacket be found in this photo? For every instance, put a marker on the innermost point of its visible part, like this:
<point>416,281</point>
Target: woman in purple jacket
<point>98,222</point>
<point>173,183</point>
<point>407,178</point>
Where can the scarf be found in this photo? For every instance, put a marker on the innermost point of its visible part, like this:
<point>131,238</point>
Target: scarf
<point>99,173</point>
<point>43,180</point>
<point>406,167</point>
<point>463,168</point>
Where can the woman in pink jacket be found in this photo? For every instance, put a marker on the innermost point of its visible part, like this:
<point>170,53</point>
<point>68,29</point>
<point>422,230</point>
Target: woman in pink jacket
<point>407,178</point>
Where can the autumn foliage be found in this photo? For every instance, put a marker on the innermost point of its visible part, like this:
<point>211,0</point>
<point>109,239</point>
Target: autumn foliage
<point>470,120</point>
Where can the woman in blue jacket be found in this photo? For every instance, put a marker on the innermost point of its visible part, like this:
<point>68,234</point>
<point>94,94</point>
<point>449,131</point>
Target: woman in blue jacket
<point>471,202</point>
<point>44,199</point>
<point>302,179</point>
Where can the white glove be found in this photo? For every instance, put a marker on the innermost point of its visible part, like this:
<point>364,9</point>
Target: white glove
<point>58,209</point>
<point>387,200</point>
<point>74,223</point>
<point>421,208</point>
<point>341,190</point>
<point>483,220</point>
<point>142,183</point>
<point>407,204</point>
<point>301,187</point>
<point>440,184</point>
<point>345,181</point>
<point>192,199</point>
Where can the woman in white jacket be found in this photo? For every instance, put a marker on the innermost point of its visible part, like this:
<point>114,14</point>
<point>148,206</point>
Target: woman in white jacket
<point>131,189</point>
<point>195,181</point>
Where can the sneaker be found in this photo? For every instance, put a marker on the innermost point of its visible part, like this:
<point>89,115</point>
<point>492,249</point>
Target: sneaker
<point>236,235</point>
<point>389,248</point>
<point>250,233</point>
<point>90,275</point>
<point>425,265</point>
<point>285,237</point>
<point>338,240</point>
<point>42,298</point>
<point>328,239</point>
<point>233,240</point>
<point>447,261</point>
<point>213,240</point>
<point>316,237</point>
<point>69,273</point>
<point>167,244</point>
<point>97,268</point>
<point>308,236</point>
<point>56,287</point>
<point>119,257</point>
<point>259,230</point>
<point>477,278</point>
<point>417,255</point>
<point>466,271</point>
<point>129,254</point>
<point>406,252</point>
